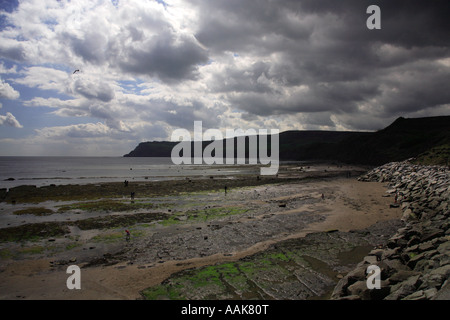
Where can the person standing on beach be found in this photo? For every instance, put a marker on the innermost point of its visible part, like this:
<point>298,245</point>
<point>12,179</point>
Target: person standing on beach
<point>128,235</point>
<point>226,190</point>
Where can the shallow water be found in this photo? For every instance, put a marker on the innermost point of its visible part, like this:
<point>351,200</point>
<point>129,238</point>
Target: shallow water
<point>40,171</point>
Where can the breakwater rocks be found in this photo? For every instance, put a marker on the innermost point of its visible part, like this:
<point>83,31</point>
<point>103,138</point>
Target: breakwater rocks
<point>415,262</point>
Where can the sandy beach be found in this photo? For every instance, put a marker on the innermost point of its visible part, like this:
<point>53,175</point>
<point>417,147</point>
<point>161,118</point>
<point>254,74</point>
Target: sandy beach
<point>175,226</point>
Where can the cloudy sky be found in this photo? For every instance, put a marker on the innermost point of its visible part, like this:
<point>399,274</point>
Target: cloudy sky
<point>148,67</point>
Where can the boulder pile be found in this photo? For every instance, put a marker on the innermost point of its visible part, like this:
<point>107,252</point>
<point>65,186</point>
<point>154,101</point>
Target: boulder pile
<point>415,263</point>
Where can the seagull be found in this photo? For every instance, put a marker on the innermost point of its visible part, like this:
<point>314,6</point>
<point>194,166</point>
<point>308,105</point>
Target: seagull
<point>76,71</point>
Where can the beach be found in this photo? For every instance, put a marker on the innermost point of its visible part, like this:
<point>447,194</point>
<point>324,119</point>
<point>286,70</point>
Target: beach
<point>317,218</point>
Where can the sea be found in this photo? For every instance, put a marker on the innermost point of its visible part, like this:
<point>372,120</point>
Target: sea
<point>42,171</point>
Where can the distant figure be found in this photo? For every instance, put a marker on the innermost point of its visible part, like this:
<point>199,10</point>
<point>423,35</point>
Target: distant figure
<point>226,190</point>
<point>125,183</point>
<point>132,195</point>
<point>323,196</point>
<point>127,237</point>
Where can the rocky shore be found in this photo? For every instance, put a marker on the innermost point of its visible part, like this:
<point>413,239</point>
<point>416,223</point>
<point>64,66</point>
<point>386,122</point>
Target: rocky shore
<point>415,262</point>
<point>290,237</point>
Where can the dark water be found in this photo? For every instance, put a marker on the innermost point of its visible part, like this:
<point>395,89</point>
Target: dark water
<point>40,171</point>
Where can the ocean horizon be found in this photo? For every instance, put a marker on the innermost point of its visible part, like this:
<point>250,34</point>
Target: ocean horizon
<point>57,170</point>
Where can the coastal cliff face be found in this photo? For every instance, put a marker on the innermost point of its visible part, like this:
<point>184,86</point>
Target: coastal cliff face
<point>427,138</point>
<point>415,263</point>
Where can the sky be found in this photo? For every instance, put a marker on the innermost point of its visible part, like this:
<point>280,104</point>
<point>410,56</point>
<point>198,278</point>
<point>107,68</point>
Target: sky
<point>146,68</point>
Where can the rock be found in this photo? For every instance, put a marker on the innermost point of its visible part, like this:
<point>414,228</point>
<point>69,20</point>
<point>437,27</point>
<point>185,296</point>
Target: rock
<point>402,275</point>
<point>360,289</point>
<point>404,288</point>
<point>442,271</point>
<point>377,252</point>
<point>444,247</point>
<point>357,274</point>
<point>444,292</point>
<point>408,215</point>
<point>415,261</point>
<point>371,259</point>
<point>390,254</point>
<point>444,259</point>
<point>413,241</point>
<point>434,233</point>
<point>425,247</point>
<point>354,297</point>
<point>396,264</point>
<point>418,295</point>
<point>430,293</point>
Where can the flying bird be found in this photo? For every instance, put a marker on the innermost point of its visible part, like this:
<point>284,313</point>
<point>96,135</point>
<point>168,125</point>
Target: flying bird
<point>76,71</point>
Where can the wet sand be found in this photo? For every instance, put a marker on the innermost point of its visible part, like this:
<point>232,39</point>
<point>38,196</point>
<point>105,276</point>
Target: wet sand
<point>210,228</point>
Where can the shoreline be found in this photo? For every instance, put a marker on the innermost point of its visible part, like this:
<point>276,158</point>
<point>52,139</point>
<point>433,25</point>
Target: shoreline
<point>147,171</point>
<point>414,264</point>
<point>154,255</point>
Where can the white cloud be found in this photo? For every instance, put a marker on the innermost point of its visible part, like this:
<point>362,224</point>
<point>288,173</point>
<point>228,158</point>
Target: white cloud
<point>50,102</point>
<point>80,131</point>
<point>44,78</point>
<point>8,92</point>
<point>10,120</point>
<point>11,70</point>
<point>138,37</point>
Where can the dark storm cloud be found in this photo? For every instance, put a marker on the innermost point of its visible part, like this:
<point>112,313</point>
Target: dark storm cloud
<point>90,47</point>
<point>422,86</point>
<point>404,22</point>
<point>325,46</point>
<point>246,79</point>
<point>246,25</point>
<point>94,90</point>
<point>338,97</point>
<point>166,58</point>
<point>178,115</point>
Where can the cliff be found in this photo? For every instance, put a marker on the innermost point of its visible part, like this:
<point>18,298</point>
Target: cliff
<point>428,139</point>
